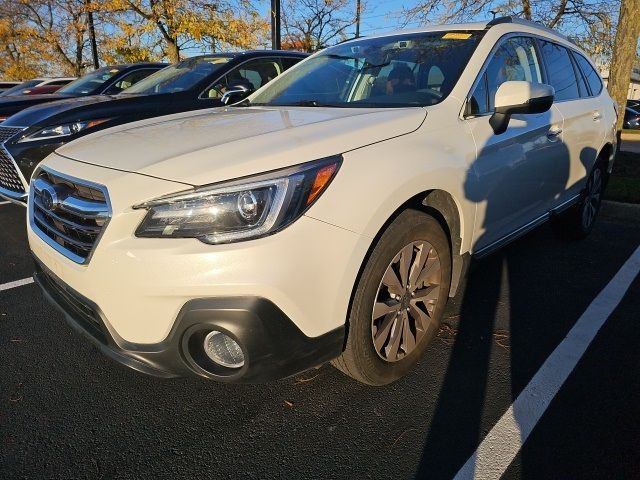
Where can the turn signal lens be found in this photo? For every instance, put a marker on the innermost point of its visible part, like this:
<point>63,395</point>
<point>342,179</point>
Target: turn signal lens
<point>323,177</point>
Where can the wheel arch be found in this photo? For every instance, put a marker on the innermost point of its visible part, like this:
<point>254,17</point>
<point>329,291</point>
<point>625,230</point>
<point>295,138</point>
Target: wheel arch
<point>441,205</point>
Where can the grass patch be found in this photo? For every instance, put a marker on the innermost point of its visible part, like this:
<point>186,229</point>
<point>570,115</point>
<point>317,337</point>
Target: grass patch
<point>624,184</point>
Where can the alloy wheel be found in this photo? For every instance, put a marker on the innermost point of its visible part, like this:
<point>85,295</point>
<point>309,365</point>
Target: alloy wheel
<point>405,301</point>
<point>592,198</point>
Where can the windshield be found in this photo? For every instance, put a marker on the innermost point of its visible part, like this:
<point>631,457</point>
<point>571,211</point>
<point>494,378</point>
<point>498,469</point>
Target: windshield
<point>17,90</point>
<point>181,76</point>
<point>90,82</point>
<point>405,70</point>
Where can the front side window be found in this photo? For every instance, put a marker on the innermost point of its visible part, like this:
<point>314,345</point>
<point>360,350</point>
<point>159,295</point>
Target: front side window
<point>406,70</point>
<point>562,76</point>
<point>180,76</point>
<point>90,82</point>
<point>252,74</point>
<point>515,59</point>
<point>129,79</point>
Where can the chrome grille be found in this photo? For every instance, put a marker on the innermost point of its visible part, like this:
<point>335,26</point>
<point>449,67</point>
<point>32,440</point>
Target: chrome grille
<point>10,177</point>
<point>69,214</point>
<point>7,132</point>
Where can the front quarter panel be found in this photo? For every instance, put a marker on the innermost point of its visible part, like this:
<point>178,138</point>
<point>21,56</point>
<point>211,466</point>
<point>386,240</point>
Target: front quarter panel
<point>376,180</point>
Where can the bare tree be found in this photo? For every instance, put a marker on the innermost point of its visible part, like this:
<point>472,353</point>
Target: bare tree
<point>313,24</point>
<point>588,22</point>
<point>624,54</point>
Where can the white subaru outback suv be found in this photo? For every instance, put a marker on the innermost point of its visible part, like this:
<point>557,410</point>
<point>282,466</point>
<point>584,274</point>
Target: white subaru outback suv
<point>329,216</point>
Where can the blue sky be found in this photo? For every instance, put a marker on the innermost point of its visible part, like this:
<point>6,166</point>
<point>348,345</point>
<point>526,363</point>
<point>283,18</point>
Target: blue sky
<point>379,16</point>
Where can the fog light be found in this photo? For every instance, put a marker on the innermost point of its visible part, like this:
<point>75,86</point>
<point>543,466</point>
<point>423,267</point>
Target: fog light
<point>223,350</point>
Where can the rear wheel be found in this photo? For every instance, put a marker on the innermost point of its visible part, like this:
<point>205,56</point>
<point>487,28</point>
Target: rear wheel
<point>398,301</point>
<point>579,220</point>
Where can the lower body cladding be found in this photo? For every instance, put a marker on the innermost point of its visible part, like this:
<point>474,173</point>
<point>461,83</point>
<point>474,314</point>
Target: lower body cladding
<point>241,339</point>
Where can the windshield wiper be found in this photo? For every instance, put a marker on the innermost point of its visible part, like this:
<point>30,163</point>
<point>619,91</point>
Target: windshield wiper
<point>305,103</point>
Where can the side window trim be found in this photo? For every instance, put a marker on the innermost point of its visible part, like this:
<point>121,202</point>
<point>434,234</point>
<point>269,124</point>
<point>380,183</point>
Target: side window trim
<point>202,96</point>
<point>574,56</point>
<point>578,73</point>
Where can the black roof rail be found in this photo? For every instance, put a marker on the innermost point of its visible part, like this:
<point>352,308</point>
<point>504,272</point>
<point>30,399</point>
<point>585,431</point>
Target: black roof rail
<point>530,23</point>
<point>499,20</point>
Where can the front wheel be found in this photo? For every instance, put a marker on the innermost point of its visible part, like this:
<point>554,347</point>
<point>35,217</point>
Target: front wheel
<point>398,300</point>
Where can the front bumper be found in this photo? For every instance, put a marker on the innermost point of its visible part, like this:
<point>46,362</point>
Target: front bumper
<point>273,346</point>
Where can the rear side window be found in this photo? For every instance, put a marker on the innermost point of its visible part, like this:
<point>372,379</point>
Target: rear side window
<point>515,59</point>
<point>593,79</point>
<point>288,62</point>
<point>582,84</point>
<point>562,76</point>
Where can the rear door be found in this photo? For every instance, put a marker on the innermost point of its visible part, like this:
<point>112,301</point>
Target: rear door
<point>516,174</point>
<point>583,123</point>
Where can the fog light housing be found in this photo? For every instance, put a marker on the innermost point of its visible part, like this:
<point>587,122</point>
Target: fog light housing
<point>223,350</point>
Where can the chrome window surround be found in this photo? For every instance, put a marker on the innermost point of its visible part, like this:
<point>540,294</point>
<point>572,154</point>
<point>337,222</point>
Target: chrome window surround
<point>17,197</point>
<point>78,206</point>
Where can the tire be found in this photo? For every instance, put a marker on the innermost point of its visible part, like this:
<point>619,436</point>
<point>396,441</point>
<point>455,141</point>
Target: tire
<point>578,221</point>
<point>412,314</point>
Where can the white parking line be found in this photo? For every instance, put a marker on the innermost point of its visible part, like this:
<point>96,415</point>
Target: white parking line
<point>498,449</point>
<point>17,283</point>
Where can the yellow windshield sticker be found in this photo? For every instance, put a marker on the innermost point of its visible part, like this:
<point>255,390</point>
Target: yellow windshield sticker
<point>456,36</point>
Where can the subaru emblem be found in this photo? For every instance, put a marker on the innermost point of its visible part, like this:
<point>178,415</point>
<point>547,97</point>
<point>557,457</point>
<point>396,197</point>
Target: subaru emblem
<point>49,198</point>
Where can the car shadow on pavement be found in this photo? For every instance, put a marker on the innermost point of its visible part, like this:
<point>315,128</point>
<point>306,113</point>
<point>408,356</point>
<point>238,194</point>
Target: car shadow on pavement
<point>502,305</point>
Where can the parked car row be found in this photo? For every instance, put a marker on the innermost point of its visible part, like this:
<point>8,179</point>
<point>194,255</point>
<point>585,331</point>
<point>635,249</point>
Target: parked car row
<point>327,216</point>
<point>115,95</point>
<point>4,86</point>
<point>36,86</point>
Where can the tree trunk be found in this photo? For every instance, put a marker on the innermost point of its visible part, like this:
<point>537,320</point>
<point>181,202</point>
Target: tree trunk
<point>624,54</point>
<point>526,9</point>
<point>173,51</point>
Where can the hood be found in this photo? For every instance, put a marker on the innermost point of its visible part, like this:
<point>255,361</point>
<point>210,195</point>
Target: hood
<point>221,144</point>
<point>37,114</point>
<point>14,104</point>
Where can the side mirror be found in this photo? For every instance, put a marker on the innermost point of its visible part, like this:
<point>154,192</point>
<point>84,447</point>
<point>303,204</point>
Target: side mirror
<point>236,91</point>
<point>519,97</point>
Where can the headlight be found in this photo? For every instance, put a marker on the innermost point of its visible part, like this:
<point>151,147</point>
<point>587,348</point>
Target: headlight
<point>239,210</point>
<point>63,130</point>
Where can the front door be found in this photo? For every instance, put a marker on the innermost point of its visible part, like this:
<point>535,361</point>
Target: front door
<point>516,175</point>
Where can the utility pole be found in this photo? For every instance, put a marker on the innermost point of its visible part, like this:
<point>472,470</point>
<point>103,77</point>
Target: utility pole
<point>357,18</point>
<point>275,25</point>
<point>92,35</point>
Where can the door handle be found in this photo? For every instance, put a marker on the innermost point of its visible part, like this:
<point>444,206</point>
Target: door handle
<point>554,132</point>
<point>596,116</point>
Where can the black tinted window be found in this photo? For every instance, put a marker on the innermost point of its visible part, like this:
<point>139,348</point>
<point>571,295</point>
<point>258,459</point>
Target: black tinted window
<point>582,84</point>
<point>560,71</point>
<point>288,62</point>
<point>479,101</point>
<point>593,79</point>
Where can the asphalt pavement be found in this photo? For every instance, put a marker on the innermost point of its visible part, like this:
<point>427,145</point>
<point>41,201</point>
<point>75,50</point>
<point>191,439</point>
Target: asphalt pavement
<point>67,412</point>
